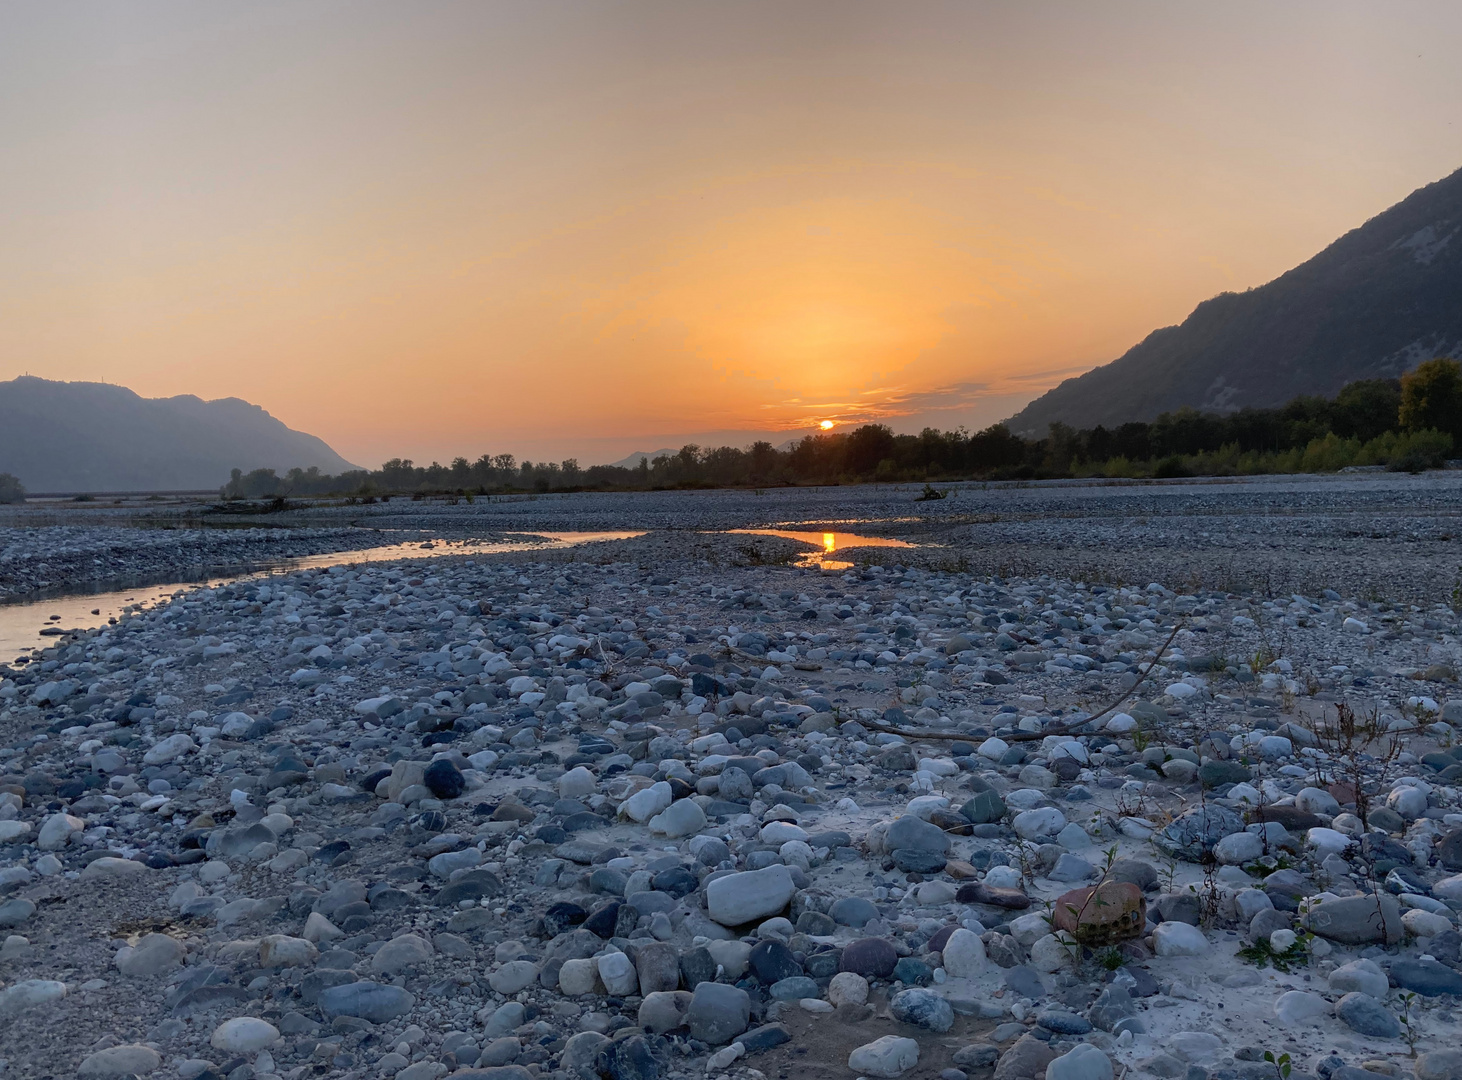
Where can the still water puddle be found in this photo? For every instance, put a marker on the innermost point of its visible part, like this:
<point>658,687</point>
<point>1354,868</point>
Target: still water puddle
<point>828,543</point>
<point>27,624</point>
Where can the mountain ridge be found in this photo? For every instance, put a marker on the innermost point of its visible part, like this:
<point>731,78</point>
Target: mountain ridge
<point>99,437</point>
<point>1377,301</point>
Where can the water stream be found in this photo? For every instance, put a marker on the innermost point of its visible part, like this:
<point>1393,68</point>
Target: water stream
<point>30,622</point>
<point>828,543</point>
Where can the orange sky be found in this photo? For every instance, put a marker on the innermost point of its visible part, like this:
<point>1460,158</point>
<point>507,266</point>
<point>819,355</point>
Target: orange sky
<point>581,229</point>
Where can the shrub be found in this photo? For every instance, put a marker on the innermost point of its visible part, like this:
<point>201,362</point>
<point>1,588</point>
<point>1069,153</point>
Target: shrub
<point>1418,450</point>
<point>1171,467</point>
<point>11,489</point>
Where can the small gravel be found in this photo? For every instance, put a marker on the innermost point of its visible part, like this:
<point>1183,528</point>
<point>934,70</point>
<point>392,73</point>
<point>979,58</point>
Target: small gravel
<point>642,809</point>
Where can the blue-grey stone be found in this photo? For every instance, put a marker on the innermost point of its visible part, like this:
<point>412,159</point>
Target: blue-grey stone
<point>1426,977</point>
<point>922,1008</point>
<point>794,988</point>
<point>1063,1022</point>
<point>911,971</point>
<point>1363,1013</point>
<point>718,1013</point>
<point>371,1001</point>
<point>853,911</point>
<point>765,1037</point>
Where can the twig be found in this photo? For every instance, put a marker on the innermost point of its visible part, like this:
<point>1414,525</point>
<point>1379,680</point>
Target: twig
<point>1031,736</point>
<point>1066,729</point>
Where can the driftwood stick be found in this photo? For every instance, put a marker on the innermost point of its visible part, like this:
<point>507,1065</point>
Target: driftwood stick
<point>1031,736</point>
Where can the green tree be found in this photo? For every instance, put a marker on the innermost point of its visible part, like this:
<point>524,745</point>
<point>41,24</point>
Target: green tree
<point>1431,397</point>
<point>11,489</point>
<point>1367,409</point>
<point>867,446</point>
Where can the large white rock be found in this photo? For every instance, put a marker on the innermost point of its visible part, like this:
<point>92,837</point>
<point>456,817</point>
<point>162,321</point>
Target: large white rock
<point>110,867</point>
<point>169,749</point>
<point>1003,877</point>
<point>576,783</point>
<point>1236,849</point>
<point>578,977</point>
<point>1074,838</point>
<point>1039,823</point>
<point>130,1059</point>
<point>1327,842</point>
<point>1050,954</point>
<point>889,1056</point>
<point>1448,888</point>
<point>1421,923</point>
<point>1197,1046</point>
<point>57,830</point>
<point>849,987</point>
<point>1029,928</point>
<point>1178,939</point>
<point>1360,976</point>
<point>282,951</point>
<point>513,976</point>
<point>1082,1062</point>
<point>964,954</point>
<point>401,952</point>
<point>1409,802</point>
<point>318,929</point>
<point>779,832</point>
<point>153,955</point>
<point>444,864</point>
<point>992,748</point>
<point>682,818</point>
<point>1299,1007</point>
<point>618,974</point>
<point>1317,801</point>
<point>733,956</point>
<point>244,1035</point>
<point>647,802</point>
<point>29,994</point>
<point>749,895</point>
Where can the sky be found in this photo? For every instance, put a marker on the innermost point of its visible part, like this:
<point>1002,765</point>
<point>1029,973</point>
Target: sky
<point>581,229</point>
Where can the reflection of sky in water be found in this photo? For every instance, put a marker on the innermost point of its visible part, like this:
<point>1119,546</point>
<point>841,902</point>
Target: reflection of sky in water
<point>829,542</point>
<point>21,622</point>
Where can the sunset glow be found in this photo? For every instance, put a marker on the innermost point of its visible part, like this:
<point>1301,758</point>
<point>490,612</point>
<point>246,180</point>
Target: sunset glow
<point>561,230</point>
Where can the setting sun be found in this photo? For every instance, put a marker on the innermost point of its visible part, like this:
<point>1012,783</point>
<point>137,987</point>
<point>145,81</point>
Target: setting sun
<point>826,425</point>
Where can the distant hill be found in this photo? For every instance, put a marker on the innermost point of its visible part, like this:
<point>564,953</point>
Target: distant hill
<point>633,461</point>
<point>1374,304</point>
<point>75,437</point>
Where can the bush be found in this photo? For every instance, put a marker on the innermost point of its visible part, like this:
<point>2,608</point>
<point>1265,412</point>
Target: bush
<point>1420,450</point>
<point>1171,468</point>
<point>11,489</point>
<point>1330,454</point>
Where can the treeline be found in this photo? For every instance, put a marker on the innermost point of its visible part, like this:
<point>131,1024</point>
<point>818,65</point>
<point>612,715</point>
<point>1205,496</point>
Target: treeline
<point>1412,423</point>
